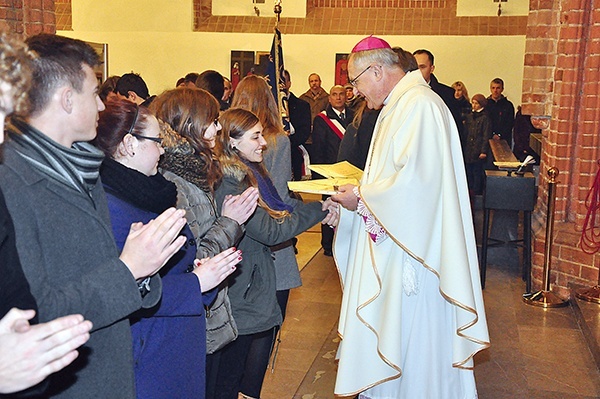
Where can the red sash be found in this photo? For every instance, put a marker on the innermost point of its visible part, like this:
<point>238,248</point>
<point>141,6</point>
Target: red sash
<point>333,127</point>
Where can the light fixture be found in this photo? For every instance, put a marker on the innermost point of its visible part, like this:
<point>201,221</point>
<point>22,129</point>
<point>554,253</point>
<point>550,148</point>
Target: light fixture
<point>257,11</point>
<point>500,5</point>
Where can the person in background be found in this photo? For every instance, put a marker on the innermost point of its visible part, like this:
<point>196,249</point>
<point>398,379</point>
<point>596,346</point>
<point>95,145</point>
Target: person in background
<point>189,80</point>
<point>132,87</point>
<point>227,94</point>
<point>214,83</point>
<point>329,128</point>
<point>462,96</point>
<point>464,104</point>
<point>522,130</point>
<point>425,61</point>
<point>300,125</point>
<point>169,343</point>
<point>50,179</point>
<point>29,352</point>
<point>354,147</point>
<point>252,288</point>
<point>315,96</point>
<point>478,129</point>
<point>353,101</point>
<point>108,89</point>
<point>501,111</point>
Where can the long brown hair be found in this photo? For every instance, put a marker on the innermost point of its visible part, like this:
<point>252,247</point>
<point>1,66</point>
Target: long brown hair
<point>254,94</point>
<point>236,122</point>
<point>190,112</point>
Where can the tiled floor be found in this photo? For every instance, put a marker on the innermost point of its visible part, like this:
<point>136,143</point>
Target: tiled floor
<point>535,353</point>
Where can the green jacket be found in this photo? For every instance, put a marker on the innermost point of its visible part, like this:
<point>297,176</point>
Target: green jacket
<point>252,286</point>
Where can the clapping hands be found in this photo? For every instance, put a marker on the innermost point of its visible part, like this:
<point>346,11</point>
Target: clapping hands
<point>211,271</point>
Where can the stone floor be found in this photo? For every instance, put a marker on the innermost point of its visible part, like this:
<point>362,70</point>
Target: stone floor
<point>536,353</point>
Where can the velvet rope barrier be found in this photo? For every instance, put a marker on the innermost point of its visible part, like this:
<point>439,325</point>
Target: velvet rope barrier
<point>590,237</point>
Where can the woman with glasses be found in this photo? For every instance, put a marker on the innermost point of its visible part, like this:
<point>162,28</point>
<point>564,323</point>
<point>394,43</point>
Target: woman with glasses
<point>191,116</point>
<point>168,339</point>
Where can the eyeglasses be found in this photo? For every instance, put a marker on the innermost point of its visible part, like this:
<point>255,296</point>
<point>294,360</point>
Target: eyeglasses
<point>135,116</point>
<point>157,140</point>
<point>355,80</point>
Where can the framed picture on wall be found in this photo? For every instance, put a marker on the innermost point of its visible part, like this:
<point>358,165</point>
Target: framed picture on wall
<point>101,70</point>
<point>245,63</point>
<point>341,69</point>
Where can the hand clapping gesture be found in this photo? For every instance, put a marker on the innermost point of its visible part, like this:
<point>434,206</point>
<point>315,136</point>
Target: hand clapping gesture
<point>28,354</point>
<point>149,246</point>
<point>211,271</point>
<point>240,207</point>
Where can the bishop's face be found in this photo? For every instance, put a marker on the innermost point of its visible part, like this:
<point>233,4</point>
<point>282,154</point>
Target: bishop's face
<point>365,83</point>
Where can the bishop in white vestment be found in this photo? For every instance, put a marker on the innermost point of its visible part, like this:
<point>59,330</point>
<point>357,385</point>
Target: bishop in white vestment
<point>412,315</point>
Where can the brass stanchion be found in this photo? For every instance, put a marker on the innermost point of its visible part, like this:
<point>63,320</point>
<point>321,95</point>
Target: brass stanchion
<point>545,298</point>
<point>590,294</point>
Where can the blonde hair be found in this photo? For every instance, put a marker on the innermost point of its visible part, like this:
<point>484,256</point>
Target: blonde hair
<point>254,94</point>
<point>460,85</point>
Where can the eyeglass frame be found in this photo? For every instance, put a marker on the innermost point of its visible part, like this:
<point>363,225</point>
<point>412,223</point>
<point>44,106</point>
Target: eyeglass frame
<point>157,140</point>
<point>355,80</point>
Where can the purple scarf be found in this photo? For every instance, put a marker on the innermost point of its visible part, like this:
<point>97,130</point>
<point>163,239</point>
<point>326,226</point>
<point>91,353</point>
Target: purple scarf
<point>267,190</point>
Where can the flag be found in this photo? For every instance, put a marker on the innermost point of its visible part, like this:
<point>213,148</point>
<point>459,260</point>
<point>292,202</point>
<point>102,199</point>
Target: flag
<point>275,68</point>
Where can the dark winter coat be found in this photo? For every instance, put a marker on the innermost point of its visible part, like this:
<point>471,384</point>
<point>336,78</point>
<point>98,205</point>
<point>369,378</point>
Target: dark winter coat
<point>252,288</point>
<point>70,259</point>
<point>478,134</point>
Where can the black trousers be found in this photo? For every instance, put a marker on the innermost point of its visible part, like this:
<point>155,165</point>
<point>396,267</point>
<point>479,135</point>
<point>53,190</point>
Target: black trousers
<point>247,352</point>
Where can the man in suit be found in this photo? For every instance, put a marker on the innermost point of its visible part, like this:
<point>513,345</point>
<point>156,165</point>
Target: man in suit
<point>300,121</point>
<point>426,66</point>
<point>329,127</point>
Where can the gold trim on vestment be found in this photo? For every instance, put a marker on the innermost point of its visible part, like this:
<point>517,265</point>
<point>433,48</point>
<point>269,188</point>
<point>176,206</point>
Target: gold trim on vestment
<point>453,301</point>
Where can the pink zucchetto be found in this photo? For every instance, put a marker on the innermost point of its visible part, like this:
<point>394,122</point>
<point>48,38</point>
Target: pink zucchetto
<point>370,43</point>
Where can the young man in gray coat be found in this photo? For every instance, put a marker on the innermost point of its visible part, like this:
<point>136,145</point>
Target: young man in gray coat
<point>50,177</point>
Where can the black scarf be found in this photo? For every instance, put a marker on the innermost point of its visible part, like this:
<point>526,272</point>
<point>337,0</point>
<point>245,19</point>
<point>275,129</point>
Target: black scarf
<point>150,193</point>
<point>76,167</point>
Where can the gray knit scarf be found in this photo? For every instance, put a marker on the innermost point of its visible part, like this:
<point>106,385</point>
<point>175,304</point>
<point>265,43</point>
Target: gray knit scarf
<point>77,167</point>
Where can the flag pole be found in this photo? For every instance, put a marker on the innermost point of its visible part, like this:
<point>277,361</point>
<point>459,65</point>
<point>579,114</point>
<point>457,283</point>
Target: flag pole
<point>277,10</point>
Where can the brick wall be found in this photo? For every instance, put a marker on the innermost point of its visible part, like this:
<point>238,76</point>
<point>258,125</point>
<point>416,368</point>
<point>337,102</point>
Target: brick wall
<point>365,17</point>
<point>64,17</point>
<point>28,17</point>
<point>561,75</point>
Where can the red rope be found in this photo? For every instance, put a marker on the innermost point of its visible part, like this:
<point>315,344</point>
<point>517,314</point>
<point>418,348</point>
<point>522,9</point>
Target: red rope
<point>590,236</point>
